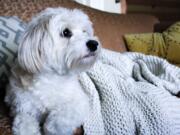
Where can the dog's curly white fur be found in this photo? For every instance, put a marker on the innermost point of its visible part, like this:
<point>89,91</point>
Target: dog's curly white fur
<point>44,94</point>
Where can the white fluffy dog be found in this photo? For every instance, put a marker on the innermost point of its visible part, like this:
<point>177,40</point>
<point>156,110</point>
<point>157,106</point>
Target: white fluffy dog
<point>44,94</point>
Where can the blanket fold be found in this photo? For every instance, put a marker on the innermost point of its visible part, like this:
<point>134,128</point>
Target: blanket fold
<point>130,94</point>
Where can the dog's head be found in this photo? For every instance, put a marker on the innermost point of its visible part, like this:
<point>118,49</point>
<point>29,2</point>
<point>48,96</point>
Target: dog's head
<point>58,39</point>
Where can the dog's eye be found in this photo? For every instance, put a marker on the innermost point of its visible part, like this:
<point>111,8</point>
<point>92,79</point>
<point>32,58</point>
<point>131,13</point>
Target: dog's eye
<point>86,32</point>
<point>66,33</point>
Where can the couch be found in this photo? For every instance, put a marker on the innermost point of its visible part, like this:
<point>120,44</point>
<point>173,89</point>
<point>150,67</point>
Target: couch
<point>109,27</point>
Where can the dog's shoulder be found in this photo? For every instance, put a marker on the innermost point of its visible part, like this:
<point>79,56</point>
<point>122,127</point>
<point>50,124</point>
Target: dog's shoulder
<point>21,77</point>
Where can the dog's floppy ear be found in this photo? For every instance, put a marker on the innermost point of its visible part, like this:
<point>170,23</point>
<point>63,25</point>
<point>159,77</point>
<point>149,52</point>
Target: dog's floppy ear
<point>31,53</point>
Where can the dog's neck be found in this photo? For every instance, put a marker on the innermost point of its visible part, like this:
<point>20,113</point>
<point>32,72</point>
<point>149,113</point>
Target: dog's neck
<point>52,74</point>
<point>24,79</point>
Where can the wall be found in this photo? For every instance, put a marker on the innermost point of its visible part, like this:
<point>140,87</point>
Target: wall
<point>104,5</point>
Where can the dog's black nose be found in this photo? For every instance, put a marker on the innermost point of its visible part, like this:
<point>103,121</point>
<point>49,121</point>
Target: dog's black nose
<point>92,45</point>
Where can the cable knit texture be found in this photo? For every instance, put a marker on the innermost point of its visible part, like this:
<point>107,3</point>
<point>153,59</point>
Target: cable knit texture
<point>132,93</point>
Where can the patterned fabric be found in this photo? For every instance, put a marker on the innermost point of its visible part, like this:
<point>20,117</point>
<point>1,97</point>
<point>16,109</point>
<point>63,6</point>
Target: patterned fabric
<point>172,40</point>
<point>148,43</point>
<point>10,31</point>
<point>5,125</point>
<point>132,94</point>
<point>165,45</point>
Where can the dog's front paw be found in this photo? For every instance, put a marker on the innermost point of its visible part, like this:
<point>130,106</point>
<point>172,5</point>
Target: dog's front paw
<point>57,124</point>
<point>25,125</point>
<point>55,127</point>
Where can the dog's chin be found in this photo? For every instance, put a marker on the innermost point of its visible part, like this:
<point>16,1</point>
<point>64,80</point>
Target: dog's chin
<point>84,63</point>
<point>88,59</point>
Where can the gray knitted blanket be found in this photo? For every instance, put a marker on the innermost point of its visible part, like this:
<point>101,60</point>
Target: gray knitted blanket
<point>132,93</point>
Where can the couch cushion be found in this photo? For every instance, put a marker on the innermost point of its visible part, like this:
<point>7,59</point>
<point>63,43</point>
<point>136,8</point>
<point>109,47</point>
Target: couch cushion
<point>165,45</point>
<point>148,43</point>
<point>172,40</point>
<point>10,30</point>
